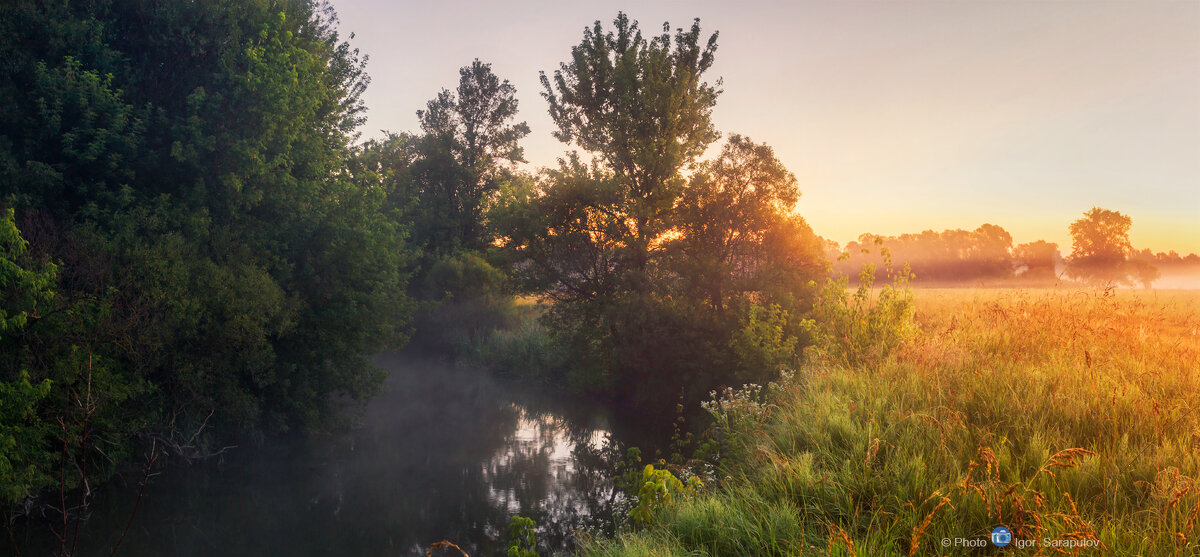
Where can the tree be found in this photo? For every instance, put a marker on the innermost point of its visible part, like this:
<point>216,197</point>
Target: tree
<point>990,251</point>
<point>641,109</point>
<point>1099,247</point>
<point>189,169</point>
<point>733,212</point>
<point>469,136</point>
<point>663,283</point>
<point>594,237</point>
<point>1144,272</point>
<point>1040,259</point>
<point>25,294</point>
<point>949,255</point>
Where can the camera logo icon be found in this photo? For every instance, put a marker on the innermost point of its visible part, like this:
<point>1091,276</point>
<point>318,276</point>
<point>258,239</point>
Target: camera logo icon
<point>1001,536</point>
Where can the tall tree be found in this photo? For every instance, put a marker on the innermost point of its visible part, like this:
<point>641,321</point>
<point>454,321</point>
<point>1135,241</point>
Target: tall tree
<point>727,220</point>
<point>470,142</point>
<point>658,262</point>
<point>641,108</point>
<point>1100,247</point>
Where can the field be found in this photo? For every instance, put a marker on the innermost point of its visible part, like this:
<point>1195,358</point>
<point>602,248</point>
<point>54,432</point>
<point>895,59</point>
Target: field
<point>1070,417</point>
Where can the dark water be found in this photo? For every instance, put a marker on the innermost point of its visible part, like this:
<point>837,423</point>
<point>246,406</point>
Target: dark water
<point>441,453</point>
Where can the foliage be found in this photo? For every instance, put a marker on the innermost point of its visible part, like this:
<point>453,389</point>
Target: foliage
<point>763,343</point>
<point>1143,271</point>
<point>525,350</point>
<point>1039,259</point>
<point>864,327</point>
<point>24,460</point>
<point>653,276</point>
<point>521,537</point>
<point>950,255</point>
<point>1101,249</point>
<point>639,107</point>
<point>221,252</point>
<point>659,490</point>
<point>737,417</point>
<point>457,165</point>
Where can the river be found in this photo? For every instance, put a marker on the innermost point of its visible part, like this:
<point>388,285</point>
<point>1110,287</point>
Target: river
<point>443,452</point>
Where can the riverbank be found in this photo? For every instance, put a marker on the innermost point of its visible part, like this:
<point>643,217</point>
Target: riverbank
<point>1061,415</point>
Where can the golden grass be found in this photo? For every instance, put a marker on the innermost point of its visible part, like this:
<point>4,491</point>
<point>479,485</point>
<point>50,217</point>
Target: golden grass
<point>1065,415</point>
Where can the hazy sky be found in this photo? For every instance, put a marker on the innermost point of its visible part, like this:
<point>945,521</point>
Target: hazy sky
<point>895,116</point>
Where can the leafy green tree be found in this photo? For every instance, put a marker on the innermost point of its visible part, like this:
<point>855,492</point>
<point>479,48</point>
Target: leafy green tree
<point>25,294</point>
<point>222,250</point>
<point>735,231</point>
<point>640,107</point>
<point>470,142</point>
<point>654,259</point>
<point>445,182</point>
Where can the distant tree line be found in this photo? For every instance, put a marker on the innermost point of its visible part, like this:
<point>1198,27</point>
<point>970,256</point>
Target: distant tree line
<point>1101,254</point>
<point>952,255</point>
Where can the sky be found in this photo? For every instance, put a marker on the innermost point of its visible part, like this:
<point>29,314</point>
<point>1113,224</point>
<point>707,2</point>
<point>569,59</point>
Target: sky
<point>895,117</point>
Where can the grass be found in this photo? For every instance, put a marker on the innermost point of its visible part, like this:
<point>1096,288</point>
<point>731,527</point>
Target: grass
<point>1060,414</point>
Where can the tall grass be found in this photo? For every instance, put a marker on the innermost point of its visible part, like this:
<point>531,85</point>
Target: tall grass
<point>1062,415</point>
<point>521,348</point>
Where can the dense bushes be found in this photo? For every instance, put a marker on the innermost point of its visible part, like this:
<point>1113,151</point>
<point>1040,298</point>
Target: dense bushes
<point>223,262</point>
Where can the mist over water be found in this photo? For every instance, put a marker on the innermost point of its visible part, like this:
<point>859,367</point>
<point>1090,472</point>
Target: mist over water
<point>442,452</point>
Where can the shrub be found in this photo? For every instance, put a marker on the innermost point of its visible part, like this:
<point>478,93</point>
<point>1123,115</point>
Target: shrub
<point>862,328</point>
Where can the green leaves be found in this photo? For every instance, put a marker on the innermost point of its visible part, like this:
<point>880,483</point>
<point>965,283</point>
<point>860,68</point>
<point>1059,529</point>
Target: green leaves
<point>653,273</point>
<point>639,104</point>
<point>468,149</point>
<point>202,241</point>
<point>521,539</point>
<point>23,291</point>
<point>24,460</point>
<point>660,489</point>
<point>863,328</point>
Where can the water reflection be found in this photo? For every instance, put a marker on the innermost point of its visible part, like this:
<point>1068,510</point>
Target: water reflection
<point>442,453</point>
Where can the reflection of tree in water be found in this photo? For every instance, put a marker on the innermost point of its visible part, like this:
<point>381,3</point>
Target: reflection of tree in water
<point>540,474</point>
<point>442,453</point>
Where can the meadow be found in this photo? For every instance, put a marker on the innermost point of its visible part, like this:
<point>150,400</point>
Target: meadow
<point>1071,417</point>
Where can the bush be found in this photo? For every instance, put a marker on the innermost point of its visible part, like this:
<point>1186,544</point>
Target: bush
<point>526,351</point>
<point>862,328</point>
<point>763,345</point>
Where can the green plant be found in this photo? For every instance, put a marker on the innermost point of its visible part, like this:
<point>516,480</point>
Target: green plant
<point>521,539</point>
<point>763,345</point>
<point>861,327</point>
<point>661,489</point>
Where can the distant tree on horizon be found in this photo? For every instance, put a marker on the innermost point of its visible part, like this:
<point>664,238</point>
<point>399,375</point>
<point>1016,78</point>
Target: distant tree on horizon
<point>950,255</point>
<point>1039,259</point>
<point>1100,250</point>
